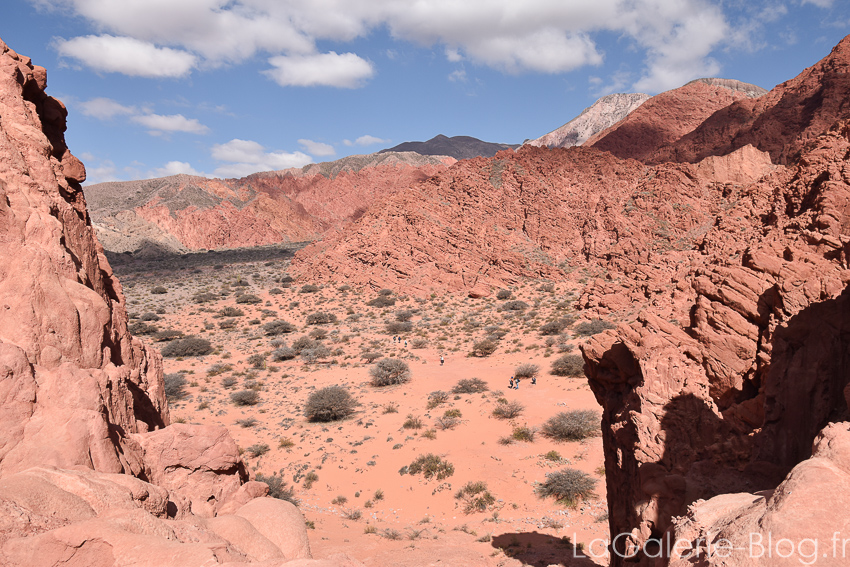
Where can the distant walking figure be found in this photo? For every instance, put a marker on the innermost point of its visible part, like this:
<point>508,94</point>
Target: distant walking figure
<point>511,387</point>
<point>516,384</point>
<point>405,344</point>
<point>441,360</point>
<point>533,380</point>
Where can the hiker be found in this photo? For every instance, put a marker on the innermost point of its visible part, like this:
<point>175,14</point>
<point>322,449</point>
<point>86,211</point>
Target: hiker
<point>511,387</point>
<point>516,384</point>
<point>405,344</point>
<point>441,360</point>
<point>533,380</point>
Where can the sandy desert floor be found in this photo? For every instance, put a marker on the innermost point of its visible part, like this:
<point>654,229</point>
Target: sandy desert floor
<point>349,476</point>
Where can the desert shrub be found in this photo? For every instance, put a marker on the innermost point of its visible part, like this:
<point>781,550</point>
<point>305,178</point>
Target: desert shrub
<point>404,315</point>
<point>475,497</point>
<point>141,328</point>
<point>446,422</point>
<point>437,398</point>
<point>453,412</point>
<point>419,343</point>
<point>568,365</point>
<point>245,397</point>
<point>228,382</point>
<point>204,297</point>
<point>287,279</point>
<point>515,305</point>
<point>470,386</point>
<point>547,287</point>
<point>174,384</point>
<point>329,404</point>
<point>227,324</point>
<point>249,299</point>
<point>553,327</point>
<point>508,409</point>
<point>167,335</point>
<point>219,368</point>
<point>523,433</point>
<point>503,294</point>
<point>572,425</point>
<point>412,422</point>
<point>283,353</point>
<point>158,290</point>
<point>278,327</point>
<point>258,449</point>
<point>592,327</point>
<point>247,422</point>
<point>277,488</point>
<point>318,333</point>
<point>190,346</point>
<point>321,318</point>
<point>149,317</point>
<point>258,361</point>
<point>431,466</point>
<point>381,301</point>
<point>389,371</point>
<point>309,288</point>
<point>275,291</point>
<point>385,291</point>
<point>526,370</point>
<point>316,352</point>
<point>230,312</point>
<point>485,347</point>
<point>567,486</point>
<point>302,343</point>
<point>398,327</point>
<point>371,356</point>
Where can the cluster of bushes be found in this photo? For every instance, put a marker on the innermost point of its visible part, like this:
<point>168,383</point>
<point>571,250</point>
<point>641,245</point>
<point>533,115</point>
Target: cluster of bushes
<point>390,371</point>
<point>329,404</point>
<point>245,398</point>
<point>568,365</point>
<point>475,497</point>
<point>507,409</point>
<point>431,466</point>
<point>568,487</point>
<point>592,327</point>
<point>398,327</point>
<point>321,318</point>
<point>278,327</point>
<point>277,487</point>
<point>174,384</point>
<point>470,386</point>
<point>249,299</point>
<point>190,346</point>
<point>572,425</point>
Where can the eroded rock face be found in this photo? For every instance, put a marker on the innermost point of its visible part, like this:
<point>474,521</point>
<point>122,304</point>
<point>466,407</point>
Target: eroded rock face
<point>73,382</point>
<point>732,399</point>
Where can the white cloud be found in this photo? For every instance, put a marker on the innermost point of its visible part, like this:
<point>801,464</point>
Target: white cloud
<point>175,168</point>
<point>819,3</point>
<point>317,148</point>
<point>160,124</point>
<point>366,140</point>
<point>458,76</point>
<point>100,173</point>
<point>246,156</point>
<point>127,55</point>
<point>345,70</point>
<point>105,108</point>
<point>676,37</point>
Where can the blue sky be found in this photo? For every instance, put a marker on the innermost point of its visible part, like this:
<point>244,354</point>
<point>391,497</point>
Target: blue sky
<point>228,87</point>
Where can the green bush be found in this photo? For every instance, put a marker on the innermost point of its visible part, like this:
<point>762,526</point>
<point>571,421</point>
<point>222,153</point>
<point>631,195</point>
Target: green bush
<point>277,488</point>
<point>329,404</point>
<point>245,397</point>
<point>431,466</point>
<point>572,425</point>
<point>568,487</point>
<point>475,497</point>
<point>568,365</point>
<point>321,318</point>
<point>278,327</point>
<point>389,371</point>
<point>174,384</point>
<point>485,347</point>
<point>592,327</point>
<point>523,433</point>
<point>190,346</point>
<point>526,370</point>
<point>470,386</point>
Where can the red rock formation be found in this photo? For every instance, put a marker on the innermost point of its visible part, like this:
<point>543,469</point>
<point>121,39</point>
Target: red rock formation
<point>184,212</point>
<point>733,401</point>
<point>780,122</point>
<point>82,407</point>
<point>668,116</point>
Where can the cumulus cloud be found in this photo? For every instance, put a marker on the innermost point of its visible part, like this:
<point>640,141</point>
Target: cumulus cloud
<point>545,36</point>
<point>175,168</point>
<point>127,55</point>
<point>244,157</point>
<point>163,124</point>
<point>345,70</point>
<point>317,148</point>
<point>366,140</point>
<point>819,3</point>
<point>105,108</point>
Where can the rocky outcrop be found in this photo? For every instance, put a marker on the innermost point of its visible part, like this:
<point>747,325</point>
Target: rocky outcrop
<point>731,400</point>
<point>457,147</point>
<point>666,117</point>
<point>183,212</point>
<point>780,122</point>
<point>602,114</point>
<point>91,473</point>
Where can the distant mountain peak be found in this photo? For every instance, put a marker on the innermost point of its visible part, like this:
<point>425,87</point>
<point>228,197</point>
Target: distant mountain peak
<point>458,147</point>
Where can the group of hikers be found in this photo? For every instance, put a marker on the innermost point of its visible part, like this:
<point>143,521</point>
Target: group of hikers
<point>514,383</point>
<point>399,340</point>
